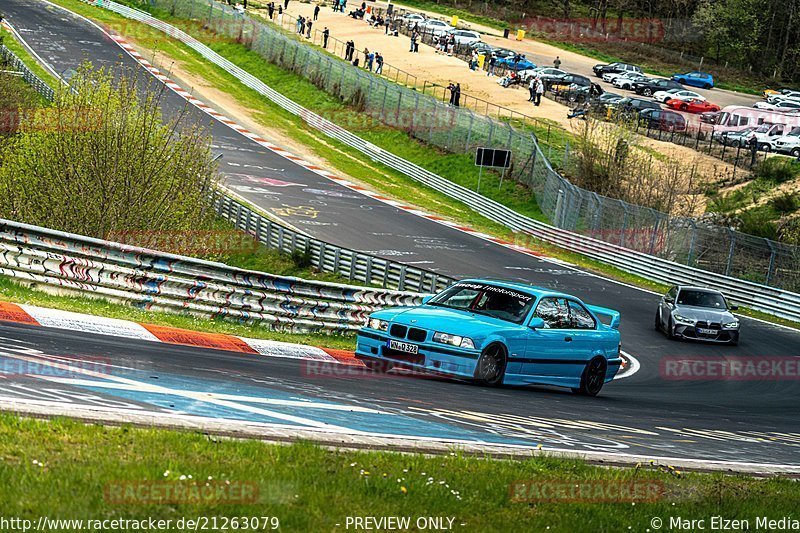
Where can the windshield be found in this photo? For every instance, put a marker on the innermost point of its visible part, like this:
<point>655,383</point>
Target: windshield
<point>483,299</point>
<point>695,298</point>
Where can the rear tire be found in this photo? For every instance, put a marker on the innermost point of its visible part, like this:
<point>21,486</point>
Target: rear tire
<point>491,367</point>
<point>647,92</point>
<point>795,152</point>
<point>593,377</point>
<point>707,86</point>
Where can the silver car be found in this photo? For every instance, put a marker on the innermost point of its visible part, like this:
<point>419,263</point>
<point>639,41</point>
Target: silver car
<point>697,313</point>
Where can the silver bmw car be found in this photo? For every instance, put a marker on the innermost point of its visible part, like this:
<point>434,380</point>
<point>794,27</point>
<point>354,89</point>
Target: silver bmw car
<point>697,313</point>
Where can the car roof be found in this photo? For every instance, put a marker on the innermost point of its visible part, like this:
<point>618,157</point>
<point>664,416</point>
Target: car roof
<point>535,290</point>
<point>696,288</point>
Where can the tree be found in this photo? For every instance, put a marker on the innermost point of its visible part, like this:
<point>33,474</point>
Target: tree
<point>102,159</point>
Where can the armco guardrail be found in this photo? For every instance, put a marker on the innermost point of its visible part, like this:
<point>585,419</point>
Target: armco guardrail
<point>326,257</point>
<point>162,281</point>
<point>28,75</point>
<point>756,296</point>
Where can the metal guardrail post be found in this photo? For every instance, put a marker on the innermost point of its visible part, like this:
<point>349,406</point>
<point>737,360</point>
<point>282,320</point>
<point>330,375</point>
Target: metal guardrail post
<point>731,251</point>
<point>771,267</point>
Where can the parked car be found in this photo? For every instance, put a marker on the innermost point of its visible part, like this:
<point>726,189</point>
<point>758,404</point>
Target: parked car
<point>502,53</point>
<point>465,37</point>
<point>697,313</point>
<point>692,105</point>
<point>785,106</point>
<point>545,73</point>
<point>567,82</point>
<point>662,119</point>
<point>634,105</point>
<point>609,98</point>
<point>739,138</point>
<point>709,117</point>
<point>679,94</point>
<point>769,92</point>
<point>411,19</point>
<point>601,69</point>
<point>626,81</point>
<point>516,63</point>
<point>481,47</point>
<point>765,136</point>
<point>789,95</point>
<point>435,27</point>
<point>498,333</point>
<point>649,87</point>
<point>695,79</point>
<point>788,143</point>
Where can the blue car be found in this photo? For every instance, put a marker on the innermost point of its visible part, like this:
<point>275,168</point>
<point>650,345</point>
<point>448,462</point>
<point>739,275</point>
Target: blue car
<point>704,80</point>
<point>498,332</point>
<point>515,64</point>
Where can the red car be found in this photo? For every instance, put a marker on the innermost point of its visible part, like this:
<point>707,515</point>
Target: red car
<point>692,105</point>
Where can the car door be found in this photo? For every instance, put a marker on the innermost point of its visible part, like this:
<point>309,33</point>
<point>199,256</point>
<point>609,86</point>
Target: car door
<point>548,349</point>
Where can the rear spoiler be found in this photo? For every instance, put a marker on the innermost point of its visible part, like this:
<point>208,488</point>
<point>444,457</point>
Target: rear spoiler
<point>614,315</point>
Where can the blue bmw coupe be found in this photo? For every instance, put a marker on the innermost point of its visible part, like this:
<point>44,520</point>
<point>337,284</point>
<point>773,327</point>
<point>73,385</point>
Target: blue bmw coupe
<point>498,332</point>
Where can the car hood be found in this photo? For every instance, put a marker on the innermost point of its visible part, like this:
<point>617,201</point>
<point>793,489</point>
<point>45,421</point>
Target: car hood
<point>445,320</point>
<point>704,313</point>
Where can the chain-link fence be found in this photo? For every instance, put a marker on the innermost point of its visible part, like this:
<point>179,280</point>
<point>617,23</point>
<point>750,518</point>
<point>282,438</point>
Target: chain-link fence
<point>11,62</point>
<point>460,130</point>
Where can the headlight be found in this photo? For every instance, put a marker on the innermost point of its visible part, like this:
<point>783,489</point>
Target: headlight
<point>731,325</point>
<point>380,325</point>
<point>685,320</point>
<point>453,340</point>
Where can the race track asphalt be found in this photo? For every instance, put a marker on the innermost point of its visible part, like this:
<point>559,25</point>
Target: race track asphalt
<point>730,420</point>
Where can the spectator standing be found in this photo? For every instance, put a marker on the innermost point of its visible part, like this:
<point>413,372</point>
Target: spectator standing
<point>411,46</point>
<point>316,12</point>
<point>457,94</point>
<point>244,4</point>
<point>370,58</point>
<point>280,15</point>
<point>271,9</point>
<point>539,91</point>
<point>557,62</point>
<point>474,63</point>
<point>452,89</point>
<point>308,28</point>
<point>386,24</point>
<point>299,24</point>
<point>532,90</point>
<point>379,62</point>
<point>451,45</point>
<point>285,4</point>
<point>325,34</point>
<point>492,63</point>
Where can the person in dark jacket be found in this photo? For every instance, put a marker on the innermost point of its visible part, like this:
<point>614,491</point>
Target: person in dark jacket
<point>325,34</point>
<point>316,12</point>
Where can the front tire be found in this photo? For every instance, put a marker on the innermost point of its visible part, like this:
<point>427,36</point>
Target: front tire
<point>795,152</point>
<point>593,377</point>
<point>647,92</point>
<point>491,367</point>
<point>658,321</point>
<point>670,330</point>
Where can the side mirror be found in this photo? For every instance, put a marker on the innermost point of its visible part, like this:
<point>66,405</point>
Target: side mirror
<point>734,307</point>
<point>536,323</point>
<point>669,300</point>
<point>427,298</point>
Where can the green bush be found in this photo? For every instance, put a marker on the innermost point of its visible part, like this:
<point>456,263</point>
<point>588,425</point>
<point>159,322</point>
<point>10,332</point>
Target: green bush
<point>785,203</point>
<point>777,170</point>
<point>759,223</point>
<point>102,160</point>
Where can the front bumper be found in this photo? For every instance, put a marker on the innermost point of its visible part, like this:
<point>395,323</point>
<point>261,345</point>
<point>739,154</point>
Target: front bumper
<point>435,356</point>
<point>686,331</point>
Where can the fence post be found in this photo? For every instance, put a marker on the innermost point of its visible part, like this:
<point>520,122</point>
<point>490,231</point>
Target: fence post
<point>771,267</point>
<point>728,267</point>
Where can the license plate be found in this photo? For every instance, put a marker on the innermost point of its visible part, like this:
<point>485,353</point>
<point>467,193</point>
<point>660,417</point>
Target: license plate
<point>705,331</point>
<point>403,346</point>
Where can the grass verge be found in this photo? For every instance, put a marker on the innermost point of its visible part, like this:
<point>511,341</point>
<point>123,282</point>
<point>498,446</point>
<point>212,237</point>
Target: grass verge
<point>347,160</point>
<point>313,489</point>
<point>7,38</point>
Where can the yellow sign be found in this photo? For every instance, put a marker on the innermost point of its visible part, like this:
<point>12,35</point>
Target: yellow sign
<point>520,35</point>
<point>481,60</point>
<point>454,22</point>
